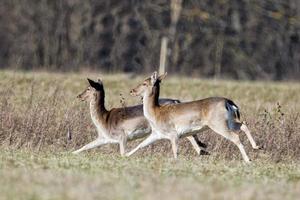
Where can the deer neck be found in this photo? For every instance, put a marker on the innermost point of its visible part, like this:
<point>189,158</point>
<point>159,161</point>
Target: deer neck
<point>98,111</point>
<point>150,102</point>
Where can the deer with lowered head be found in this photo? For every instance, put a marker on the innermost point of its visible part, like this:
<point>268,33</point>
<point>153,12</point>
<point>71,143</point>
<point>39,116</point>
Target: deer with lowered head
<point>175,121</point>
<point>119,125</point>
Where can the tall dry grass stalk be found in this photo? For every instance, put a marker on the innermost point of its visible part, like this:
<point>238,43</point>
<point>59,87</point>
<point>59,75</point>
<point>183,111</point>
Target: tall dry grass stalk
<point>50,118</point>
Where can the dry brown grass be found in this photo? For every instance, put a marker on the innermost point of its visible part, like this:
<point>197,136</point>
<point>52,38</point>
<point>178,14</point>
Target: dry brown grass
<point>37,110</point>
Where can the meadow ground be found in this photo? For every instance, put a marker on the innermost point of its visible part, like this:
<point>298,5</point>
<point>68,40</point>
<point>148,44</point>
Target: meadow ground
<point>38,109</point>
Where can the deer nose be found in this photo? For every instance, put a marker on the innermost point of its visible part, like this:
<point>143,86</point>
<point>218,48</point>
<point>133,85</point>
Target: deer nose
<point>78,96</point>
<point>131,92</point>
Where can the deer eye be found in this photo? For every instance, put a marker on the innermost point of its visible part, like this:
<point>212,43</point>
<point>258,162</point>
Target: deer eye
<point>144,84</point>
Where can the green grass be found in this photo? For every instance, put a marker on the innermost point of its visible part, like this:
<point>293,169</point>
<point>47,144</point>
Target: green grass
<point>28,175</point>
<point>36,109</point>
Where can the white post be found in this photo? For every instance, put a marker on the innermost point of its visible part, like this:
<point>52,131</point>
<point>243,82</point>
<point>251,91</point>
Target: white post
<point>163,55</point>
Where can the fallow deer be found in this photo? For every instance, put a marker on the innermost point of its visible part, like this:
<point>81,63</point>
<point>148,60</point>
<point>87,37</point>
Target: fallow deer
<point>118,125</point>
<point>175,121</point>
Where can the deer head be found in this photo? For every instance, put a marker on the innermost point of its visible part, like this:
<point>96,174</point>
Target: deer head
<point>91,92</point>
<point>147,85</point>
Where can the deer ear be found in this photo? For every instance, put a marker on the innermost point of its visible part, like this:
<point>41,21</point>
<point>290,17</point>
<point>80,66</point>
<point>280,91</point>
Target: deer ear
<point>94,84</point>
<point>91,82</point>
<point>154,77</point>
<point>161,77</point>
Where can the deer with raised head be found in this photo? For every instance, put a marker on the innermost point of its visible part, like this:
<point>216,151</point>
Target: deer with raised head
<point>175,121</point>
<point>118,125</point>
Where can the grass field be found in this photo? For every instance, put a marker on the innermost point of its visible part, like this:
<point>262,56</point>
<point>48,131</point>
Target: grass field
<point>37,110</point>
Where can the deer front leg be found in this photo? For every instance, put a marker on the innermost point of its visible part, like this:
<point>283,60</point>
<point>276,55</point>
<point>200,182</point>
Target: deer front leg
<point>93,144</point>
<point>122,144</point>
<point>149,140</point>
<point>174,142</point>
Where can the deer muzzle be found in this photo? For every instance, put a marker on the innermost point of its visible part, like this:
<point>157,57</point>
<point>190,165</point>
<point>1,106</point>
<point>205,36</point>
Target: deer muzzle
<point>80,97</point>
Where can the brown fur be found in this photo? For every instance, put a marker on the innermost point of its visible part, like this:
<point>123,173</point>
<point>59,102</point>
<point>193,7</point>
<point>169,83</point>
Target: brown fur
<point>181,120</point>
<point>117,125</point>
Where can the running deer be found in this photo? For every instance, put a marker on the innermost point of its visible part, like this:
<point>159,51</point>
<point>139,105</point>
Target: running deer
<point>118,125</point>
<point>175,121</point>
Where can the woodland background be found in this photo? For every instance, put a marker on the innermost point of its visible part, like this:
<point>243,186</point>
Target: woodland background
<point>237,39</point>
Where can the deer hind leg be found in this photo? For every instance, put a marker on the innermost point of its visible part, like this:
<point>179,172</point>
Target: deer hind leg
<point>233,137</point>
<point>93,144</point>
<point>149,140</point>
<point>245,129</point>
<point>197,144</point>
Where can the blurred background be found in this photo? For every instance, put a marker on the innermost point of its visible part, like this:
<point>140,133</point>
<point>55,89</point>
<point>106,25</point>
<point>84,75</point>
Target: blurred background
<point>234,39</point>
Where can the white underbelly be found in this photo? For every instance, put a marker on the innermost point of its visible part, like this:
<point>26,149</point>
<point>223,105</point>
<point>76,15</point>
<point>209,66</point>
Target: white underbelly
<point>139,133</point>
<point>183,131</point>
